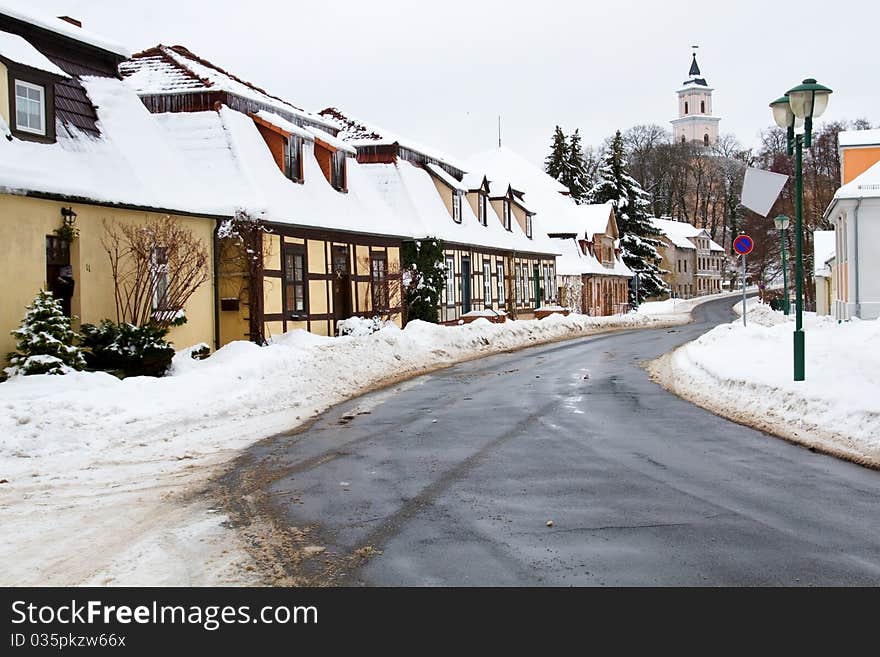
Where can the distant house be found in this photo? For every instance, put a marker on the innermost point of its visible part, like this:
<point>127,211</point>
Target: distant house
<point>78,147</point>
<point>591,277</point>
<point>332,247</point>
<point>497,261</point>
<point>823,270</point>
<point>855,215</point>
<point>695,262</point>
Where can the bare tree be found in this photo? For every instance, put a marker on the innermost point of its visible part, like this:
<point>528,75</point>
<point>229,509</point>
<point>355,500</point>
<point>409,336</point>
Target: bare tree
<point>242,256</point>
<point>156,268</point>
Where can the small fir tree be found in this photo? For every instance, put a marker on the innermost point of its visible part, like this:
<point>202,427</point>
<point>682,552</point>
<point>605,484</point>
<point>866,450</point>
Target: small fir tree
<point>45,341</point>
<point>424,275</point>
<point>637,234</point>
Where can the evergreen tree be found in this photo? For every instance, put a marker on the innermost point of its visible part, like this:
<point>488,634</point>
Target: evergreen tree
<point>576,176</point>
<point>424,275</point>
<point>45,340</point>
<point>556,162</point>
<point>637,234</point>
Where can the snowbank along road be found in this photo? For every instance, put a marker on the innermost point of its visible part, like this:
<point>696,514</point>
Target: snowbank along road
<point>557,465</point>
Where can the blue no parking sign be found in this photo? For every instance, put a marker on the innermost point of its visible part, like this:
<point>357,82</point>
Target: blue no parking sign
<point>743,244</point>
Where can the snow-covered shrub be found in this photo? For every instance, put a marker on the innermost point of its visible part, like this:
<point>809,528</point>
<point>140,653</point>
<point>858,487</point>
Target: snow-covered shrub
<point>360,326</point>
<point>126,349</point>
<point>425,275</point>
<point>45,341</point>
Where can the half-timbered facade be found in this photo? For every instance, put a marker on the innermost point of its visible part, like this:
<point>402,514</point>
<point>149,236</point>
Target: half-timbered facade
<point>330,249</point>
<point>77,148</point>
<point>590,276</point>
<point>496,263</point>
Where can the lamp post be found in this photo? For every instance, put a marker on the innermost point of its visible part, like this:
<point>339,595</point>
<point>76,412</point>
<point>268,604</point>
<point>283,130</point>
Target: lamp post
<point>781,224</point>
<point>798,108</point>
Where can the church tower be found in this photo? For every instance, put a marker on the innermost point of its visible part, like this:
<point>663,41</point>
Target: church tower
<point>695,122</point>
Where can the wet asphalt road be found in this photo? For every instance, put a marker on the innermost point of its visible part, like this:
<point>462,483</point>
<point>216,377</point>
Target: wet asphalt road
<point>450,479</point>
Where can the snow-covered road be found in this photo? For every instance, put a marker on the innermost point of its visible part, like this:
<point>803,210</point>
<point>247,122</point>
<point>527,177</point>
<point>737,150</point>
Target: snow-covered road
<point>102,477</point>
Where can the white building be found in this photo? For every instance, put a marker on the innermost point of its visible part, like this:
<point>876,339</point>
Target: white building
<point>823,268</point>
<point>855,214</point>
<point>695,122</point>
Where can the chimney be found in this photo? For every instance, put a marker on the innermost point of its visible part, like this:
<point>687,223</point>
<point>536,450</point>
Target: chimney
<point>72,21</point>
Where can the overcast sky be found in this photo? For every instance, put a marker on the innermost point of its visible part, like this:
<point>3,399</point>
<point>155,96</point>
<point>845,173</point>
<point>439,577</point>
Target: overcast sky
<point>442,72</point>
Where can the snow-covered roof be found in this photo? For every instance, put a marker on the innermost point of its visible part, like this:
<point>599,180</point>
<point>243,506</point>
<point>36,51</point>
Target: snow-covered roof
<point>284,125</point>
<point>175,69</point>
<point>573,261</point>
<point>556,213</point>
<point>131,162</point>
<point>227,152</point>
<point>681,232</point>
<point>359,133</point>
<point>332,141</point>
<point>16,49</point>
<point>823,251</point>
<point>62,27</point>
<point>441,173</point>
<point>411,194</point>
<point>865,185</point>
<point>859,137</point>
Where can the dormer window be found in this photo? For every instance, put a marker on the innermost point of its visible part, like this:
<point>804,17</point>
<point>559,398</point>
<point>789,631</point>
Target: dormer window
<point>337,171</point>
<point>456,207</point>
<point>293,148</point>
<point>528,225</point>
<point>30,108</point>
<point>481,209</point>
<point>507,215</point>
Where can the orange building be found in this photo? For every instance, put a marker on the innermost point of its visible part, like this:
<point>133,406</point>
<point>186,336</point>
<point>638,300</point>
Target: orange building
<point>859,149</point>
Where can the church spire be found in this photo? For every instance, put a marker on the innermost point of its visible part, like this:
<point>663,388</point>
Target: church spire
<point>695,70</point>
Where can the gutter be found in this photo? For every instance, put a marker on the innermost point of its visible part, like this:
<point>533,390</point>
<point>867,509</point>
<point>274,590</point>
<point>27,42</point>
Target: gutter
<point>856,258</point>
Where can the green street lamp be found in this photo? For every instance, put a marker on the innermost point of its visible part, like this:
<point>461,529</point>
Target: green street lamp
<point>781,224</point>
<point>800,106</point>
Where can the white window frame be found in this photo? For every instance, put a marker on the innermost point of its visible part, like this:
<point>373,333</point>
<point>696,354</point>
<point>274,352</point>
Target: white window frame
<point>499,270</point>
<point>518,273</point>
<point>487,283</point>
<point>507,212</point>
<point>481,209</point>
<point>528,225</point>
<point>159,272</point>
<point>456,207</point>
<point>33,87</point>
<point>450,281</point>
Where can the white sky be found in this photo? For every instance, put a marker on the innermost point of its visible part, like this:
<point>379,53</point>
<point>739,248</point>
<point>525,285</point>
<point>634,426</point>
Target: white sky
<point>442,72</point>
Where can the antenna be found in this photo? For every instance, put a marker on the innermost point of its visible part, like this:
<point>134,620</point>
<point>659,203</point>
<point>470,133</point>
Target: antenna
<point>499,131</point>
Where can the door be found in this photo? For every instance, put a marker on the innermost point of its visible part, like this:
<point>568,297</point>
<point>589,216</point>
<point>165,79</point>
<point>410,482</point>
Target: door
<point>59,273</point>
<point>341,283</point>
<point>465,285</point>
<point>538,296</point>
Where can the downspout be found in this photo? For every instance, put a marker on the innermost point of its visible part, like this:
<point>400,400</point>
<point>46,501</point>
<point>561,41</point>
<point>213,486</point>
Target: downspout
<point>856,259</point>
<point>216,285</point>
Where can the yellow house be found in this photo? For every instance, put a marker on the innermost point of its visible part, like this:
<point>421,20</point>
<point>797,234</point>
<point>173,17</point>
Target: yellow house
<point>85,152</point>
<point>329,247</point>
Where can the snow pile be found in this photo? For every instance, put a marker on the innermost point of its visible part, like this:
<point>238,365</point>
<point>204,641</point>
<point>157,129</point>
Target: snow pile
<point>358,327</point>
<point>746,373</point>
<point>80,448</point>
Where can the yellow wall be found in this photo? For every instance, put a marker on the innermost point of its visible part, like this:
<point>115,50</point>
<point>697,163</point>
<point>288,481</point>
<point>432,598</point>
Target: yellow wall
<point>444,192</point>
<point>24,225</point>
<point>858,160</point>
<point>4,95</point>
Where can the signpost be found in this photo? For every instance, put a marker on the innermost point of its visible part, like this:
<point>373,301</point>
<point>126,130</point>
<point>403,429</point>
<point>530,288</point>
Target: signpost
<point>743,244</point>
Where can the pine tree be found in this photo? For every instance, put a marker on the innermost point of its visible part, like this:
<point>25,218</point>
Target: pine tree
<point>45,340</point>
<point>637,234</point>
<point>557,161</point>
<point>576,177</point>
<point>423,279</point>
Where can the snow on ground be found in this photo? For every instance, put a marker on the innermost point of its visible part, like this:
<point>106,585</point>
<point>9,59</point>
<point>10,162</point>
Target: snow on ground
<point>745,373</point>
<point>103,477</point>
<point>684,306</point>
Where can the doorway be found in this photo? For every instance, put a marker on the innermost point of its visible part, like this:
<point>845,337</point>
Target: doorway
<point>538,296</point>
<point>59,273</point>
<point>465,285</point>
<point>341,280</point>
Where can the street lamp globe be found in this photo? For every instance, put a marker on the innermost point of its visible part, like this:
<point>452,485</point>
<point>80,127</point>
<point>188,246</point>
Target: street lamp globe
<point>809,99</point>
<point>782,113</point>
<point>781,222</point>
